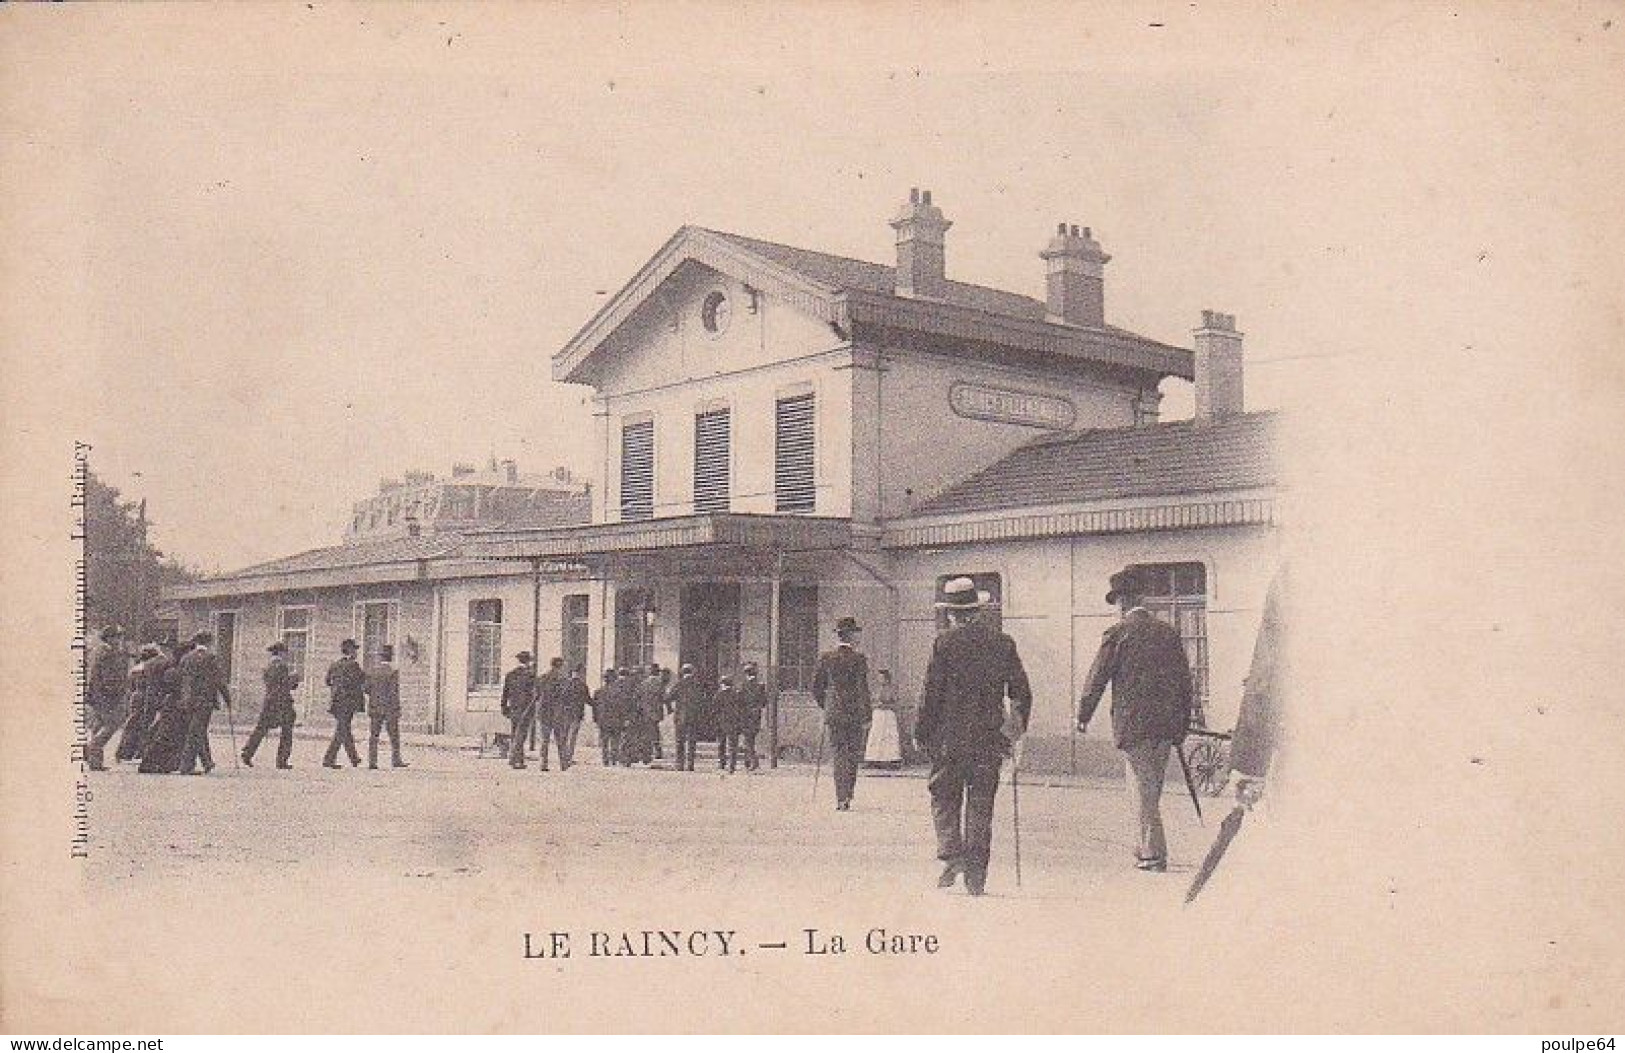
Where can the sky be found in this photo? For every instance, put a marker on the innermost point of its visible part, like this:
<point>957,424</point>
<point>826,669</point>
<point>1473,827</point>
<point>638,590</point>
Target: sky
<point>311,246</point>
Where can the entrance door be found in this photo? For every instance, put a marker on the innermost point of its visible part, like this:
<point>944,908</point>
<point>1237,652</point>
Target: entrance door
<point>709,631</point>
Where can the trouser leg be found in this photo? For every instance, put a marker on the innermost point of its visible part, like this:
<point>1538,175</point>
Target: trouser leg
<point>567,745</point>
<point>603,744</point>
<point>392,724</point>
<point>332,754</point>
<point>981,786</point>
<point>516,740</point>
<point>1147,764</point>
<point>750,751</point>
<point>544,732</point>
<point>374,729</point>
<point>261,728</point>
<point>284,746</point>
<point>846,741</point>
<point>347,722</point>
<point>103,727</point>
<point>947,788</point>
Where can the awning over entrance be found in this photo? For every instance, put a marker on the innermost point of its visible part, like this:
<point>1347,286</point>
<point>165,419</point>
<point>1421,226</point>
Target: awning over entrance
<point>723,531</point>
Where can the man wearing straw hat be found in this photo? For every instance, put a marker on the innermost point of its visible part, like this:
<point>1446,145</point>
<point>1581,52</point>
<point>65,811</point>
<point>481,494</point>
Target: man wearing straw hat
<point>963,727</point>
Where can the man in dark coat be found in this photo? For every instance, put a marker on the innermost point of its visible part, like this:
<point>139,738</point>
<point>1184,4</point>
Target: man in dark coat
<point>841,688</point>
<point>384,707</point>
<point>161,752</point>
<point>278,711</point>
<point>143,705</point>
<point>965,731</point>
<point>203,687</point>
<point>603,715</point>
<point>574,697</point>
<point>105,694</point>
<point>552,723</point>
<point>348,683</point>
<point>730,719</point>
<point>519,705</point>
<point>689,701</point>
<point>651,707</point>
<point>1141,657</point>
<point>752,702</point>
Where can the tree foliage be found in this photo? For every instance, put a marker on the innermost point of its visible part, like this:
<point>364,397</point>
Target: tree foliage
<point>123,571</point>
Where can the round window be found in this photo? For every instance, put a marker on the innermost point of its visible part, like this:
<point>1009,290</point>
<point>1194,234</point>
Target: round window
<point>716,313</point>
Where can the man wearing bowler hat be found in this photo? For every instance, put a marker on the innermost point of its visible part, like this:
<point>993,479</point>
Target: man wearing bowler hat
<point>519,705</point>
<point>964,729</point>
<point>203,686</point>
<point>105,694</point>
<point>1141,657</point>
<point>841,689</point>
<point>349,684</point>
<point>278,712</point>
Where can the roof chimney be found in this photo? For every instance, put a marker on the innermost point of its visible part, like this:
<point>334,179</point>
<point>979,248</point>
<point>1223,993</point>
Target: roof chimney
<point>1218,367</point>
<point>1075,282</point>
<point>921,263</point>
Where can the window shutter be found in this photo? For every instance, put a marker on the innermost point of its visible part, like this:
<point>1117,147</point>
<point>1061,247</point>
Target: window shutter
<point>793,455</point>
<point>638,470</point>
<point>711,461</point>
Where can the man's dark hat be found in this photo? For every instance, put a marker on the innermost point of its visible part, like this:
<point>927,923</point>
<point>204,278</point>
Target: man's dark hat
<point>203,637</point>
<point>278,648</point>
<point>524,656</point>
<point>749,669</point>
<point>1124,584</point>
<point>349,646</point>
<point>846,626</point>
<point>387,652</point>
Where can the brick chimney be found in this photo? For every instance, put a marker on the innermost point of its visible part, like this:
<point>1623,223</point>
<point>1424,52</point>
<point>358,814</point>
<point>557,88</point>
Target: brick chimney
<point>921,263</point>
<point>1218,367</point>
<point>1075,280</point>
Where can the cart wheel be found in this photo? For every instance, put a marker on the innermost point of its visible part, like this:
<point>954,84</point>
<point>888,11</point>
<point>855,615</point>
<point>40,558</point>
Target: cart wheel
<point>1210,766</point>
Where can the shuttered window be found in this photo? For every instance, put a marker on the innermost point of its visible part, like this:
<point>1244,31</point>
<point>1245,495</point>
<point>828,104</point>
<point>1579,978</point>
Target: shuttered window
<point>638,470</point>
<point>711,461</point>
<point>793,455</point>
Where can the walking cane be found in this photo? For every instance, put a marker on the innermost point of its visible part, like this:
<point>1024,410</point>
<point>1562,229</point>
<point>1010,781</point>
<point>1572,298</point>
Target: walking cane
<point>1190,784</point>
<point>818,766</point>
<point>231,729</point>
<point>1015,800</point>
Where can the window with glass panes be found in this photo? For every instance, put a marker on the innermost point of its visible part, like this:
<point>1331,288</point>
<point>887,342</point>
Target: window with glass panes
<point>376,628</point>
<point>634,628</point>
<point>294,625</point>
<point>798,635</point>
<point>484,643</point>
<point>574,621</point>
<point>1177,593</point>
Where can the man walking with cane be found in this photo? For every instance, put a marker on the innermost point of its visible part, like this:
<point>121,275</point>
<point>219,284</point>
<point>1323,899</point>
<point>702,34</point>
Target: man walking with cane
<point>1141,657</point>
<point>964,729</point>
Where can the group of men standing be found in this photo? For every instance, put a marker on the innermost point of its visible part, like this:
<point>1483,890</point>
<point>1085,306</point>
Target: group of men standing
<point>165,700</point>
<point>551,707</point>
<point>162,703</point>
<point>629,710</point>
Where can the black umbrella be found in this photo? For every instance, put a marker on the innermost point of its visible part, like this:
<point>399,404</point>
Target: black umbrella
<point>1227,833</point>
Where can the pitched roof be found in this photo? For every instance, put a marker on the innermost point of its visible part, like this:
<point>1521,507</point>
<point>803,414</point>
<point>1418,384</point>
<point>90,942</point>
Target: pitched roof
<point>1181,457</point>
<point>846,292</point>
<point>843,272</point>
<point>354,554</point>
